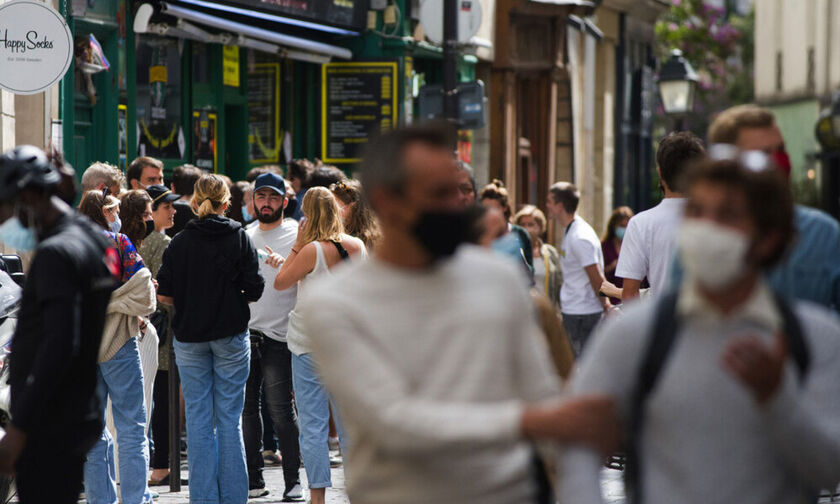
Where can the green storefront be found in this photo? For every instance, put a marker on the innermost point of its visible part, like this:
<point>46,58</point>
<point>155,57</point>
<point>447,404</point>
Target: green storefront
<point>226,87</point>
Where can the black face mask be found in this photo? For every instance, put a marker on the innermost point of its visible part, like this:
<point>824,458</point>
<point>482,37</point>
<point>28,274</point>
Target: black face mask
<point>150,227</point>
<point>440,233</point>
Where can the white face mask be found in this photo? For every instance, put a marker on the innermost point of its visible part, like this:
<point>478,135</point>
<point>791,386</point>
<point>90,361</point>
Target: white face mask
<point>711,254</point>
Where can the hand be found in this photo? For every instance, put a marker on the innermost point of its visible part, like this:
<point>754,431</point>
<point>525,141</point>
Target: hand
<point>301,228</point>
<point>756,365</point>
<point>155,283</point>
<point>274,259</point>
<point>11,447</point>
<point>590,420</point>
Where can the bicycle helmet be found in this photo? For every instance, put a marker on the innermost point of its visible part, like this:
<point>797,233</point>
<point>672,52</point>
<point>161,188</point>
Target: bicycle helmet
<point>23,167</point>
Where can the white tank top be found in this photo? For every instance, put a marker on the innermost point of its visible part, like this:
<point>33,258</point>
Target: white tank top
<point>297,341</point>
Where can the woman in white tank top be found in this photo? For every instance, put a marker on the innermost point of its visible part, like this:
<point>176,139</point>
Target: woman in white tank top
<point>321,245</point>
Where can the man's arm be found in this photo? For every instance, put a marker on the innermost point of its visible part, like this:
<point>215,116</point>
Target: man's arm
<point>60,296</point>
<point>373,392</point>
<point>596,279</point>
<point>630,289</point>
<point>633,262</point>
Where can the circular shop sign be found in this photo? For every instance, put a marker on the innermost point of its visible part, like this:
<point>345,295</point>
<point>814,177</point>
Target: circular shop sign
<point>36,46</point>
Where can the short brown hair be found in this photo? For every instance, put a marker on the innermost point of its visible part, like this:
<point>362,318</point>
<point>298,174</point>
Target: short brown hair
<point>768,198</point>
<point>728,124</point>
<point>566,194</point>
<point>184,178</point>
<point>135,169</point>
<point>496,191</point>
<point>675,153</point>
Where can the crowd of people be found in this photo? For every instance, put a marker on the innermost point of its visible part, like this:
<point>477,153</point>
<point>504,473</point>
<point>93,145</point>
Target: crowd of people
<point>457,355</point>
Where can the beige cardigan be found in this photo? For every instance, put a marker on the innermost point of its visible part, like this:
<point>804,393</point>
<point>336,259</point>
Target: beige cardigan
<point>135,298</point>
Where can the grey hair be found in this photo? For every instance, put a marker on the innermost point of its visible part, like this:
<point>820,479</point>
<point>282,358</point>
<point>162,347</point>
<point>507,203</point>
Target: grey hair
<point>383,167</point>
<point>99,173</point>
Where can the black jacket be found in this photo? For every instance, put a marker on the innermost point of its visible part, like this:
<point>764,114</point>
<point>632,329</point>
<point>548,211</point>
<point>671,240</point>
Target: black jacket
<point>211,270</point>
<point>183,215</point>
<point>55,348</point>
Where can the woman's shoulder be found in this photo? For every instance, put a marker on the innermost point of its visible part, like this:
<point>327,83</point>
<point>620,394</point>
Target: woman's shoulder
<point>352,244</point>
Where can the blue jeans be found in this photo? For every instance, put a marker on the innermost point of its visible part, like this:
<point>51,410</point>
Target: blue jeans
<point>213,376</point>
<point>121,379</point>
<point>313,405</point>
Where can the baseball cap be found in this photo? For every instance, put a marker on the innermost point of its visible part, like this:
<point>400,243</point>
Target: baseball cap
<point>161,194</point>
<point>271,180</point>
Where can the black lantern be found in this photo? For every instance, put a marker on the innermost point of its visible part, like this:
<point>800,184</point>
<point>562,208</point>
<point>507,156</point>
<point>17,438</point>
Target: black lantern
<point>677,85</point>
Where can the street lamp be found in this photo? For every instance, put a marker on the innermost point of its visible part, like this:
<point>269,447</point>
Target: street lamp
<point>677,86</point>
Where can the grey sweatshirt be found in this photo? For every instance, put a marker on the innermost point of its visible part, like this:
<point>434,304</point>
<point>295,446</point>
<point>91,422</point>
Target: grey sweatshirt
<point>431,371</point>
<point>705,439</point>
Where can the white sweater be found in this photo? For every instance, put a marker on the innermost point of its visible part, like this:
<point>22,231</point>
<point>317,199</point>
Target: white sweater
<point>705,439</point>
<point>430,371</point>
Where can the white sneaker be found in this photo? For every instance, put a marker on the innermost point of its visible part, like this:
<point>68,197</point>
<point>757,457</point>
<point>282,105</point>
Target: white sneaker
<point>257,492</point>
<point>333,443</point>
<point>294,494</point>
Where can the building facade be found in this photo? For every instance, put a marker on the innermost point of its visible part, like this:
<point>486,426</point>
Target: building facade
<point>797,70</point>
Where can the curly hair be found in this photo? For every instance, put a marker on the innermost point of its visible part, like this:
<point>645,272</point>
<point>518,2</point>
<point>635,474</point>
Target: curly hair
<point>361,222</point>
<point>496,191</point>
<point>132,207</point>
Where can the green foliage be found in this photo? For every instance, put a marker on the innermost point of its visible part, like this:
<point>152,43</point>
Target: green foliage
<point>719,45</point>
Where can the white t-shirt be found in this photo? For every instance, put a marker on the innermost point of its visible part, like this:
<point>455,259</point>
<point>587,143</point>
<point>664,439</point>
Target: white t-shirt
<point>650,244</point>
<point>430,370</point>
<point>580,248</point>
<point>270,315</point>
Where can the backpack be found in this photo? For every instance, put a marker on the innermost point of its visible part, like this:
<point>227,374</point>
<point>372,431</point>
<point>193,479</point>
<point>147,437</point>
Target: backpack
<point>665,330</point>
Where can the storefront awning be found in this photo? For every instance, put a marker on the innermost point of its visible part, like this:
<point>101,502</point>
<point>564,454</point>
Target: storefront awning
<point>192,24</point>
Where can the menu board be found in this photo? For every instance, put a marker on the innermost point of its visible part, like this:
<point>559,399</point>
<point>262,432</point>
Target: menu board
<point>348,14</point>
<point>264,135</point>
<point>358,99</point>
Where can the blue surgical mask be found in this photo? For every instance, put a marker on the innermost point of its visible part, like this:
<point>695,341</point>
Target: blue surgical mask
<point>619,232</point>
<point>116,225</point>
<point>246,215</point>
<point>18,237</point>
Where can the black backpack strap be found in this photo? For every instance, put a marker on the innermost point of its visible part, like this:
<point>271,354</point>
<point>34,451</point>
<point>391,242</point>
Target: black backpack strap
<point>341,251</point>
<point>797,348</point>
<point>664,332</point>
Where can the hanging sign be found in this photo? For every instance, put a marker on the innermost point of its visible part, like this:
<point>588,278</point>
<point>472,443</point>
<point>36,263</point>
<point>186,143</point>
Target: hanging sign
<point>36,47</point>
<point>358,99</point>
<point>230,66</point>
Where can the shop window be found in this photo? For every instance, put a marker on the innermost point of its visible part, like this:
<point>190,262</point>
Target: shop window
<point>159,105</point>
<point>199,63</point>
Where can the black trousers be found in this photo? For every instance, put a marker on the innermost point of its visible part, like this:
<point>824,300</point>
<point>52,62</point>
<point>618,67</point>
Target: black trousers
<point>46,474</point>
<point>160,420</point>
<point>271,369</point>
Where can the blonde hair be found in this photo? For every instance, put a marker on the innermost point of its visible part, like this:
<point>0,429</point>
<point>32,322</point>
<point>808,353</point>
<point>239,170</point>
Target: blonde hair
<point>323,217</point>
<point>210,195</point>
<point>531,211</point>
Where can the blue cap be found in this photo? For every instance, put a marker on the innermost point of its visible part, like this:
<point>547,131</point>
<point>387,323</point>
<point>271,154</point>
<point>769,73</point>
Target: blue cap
<point>271,180</point>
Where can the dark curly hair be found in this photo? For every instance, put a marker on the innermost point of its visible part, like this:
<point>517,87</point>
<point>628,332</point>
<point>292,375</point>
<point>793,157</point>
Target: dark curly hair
<point>132,206</point>
<point>496,191</point>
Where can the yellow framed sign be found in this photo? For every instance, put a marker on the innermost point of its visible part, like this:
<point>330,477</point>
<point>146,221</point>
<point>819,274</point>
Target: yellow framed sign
<point>357,99</point>
<point>265,139</point>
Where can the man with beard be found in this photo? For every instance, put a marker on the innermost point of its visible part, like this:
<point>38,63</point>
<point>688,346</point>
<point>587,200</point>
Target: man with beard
<point>271,364</point>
